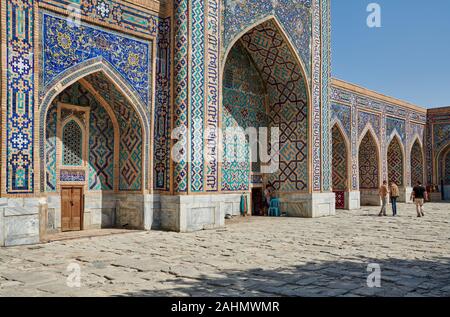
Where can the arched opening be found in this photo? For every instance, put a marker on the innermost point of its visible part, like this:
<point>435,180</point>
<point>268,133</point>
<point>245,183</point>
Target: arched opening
<point>417,164</point>
<point>339,166</point>
<point>446,176</point>
<point>93,156</point>
<point>72,140</point>
<point>443,172</point>
<point>395,162</point>
<point>264,86</point>
<point>369,171</point>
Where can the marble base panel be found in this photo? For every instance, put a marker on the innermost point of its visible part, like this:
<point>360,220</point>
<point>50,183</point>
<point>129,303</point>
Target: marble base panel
<point>352,200</point>
<point>308,205</point>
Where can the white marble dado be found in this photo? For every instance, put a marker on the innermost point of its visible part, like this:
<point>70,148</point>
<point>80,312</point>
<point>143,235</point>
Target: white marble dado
<point>352,200</point>
<point>20,230</point>
<point>308,205</point>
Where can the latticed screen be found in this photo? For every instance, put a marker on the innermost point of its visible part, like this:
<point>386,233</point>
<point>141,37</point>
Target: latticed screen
<point>72,144</point>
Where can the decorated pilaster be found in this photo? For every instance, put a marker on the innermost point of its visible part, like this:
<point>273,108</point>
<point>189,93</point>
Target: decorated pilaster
<point>181,92</point>
<point>18,97</point>
<point>19,210</point>
<point>194,204</point>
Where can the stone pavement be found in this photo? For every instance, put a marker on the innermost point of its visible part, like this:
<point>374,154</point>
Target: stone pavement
<point>250,257</point>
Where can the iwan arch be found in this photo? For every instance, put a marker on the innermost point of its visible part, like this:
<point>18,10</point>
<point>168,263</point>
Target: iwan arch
<point>92,92</point>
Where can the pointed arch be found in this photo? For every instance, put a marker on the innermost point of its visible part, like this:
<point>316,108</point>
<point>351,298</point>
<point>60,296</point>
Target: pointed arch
<point>73,136</point>
<point>396,160</point>
<point>336,122</point>
<point>416,139</point>
<point>286,38</point>
<point>396,135</point>
<point>345,157</point>
<point>417,161</point>
<point>446,170</point>
<point>77,73</point>
<point>294,171</point>
<point>369,168</point>
<point>440,162</point>
<point>369,129</point>
<point>83,82</point>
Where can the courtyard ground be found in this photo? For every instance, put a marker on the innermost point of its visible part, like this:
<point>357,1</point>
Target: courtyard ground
<point>250,257</point>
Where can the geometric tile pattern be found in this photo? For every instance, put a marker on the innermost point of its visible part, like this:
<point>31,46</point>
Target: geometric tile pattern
<point>395,162</point>
<point>101,149</point>
<point>397,125</point>
<point>342,114</point>
<point>19,95</point>
<point>75,95</point>
<point>180,107</point>
<point>438,138</point>
<point>112,12</point>
<point>287,103</point>
<point>386,119</point>
<point>416,164</point>
<point>50,150</point>
<point>316,114</point>
<point>441,136</point>
<point>131,143</point>
<point>101,140</point>
<point>72,144</point>
<point>197,105</point>
<point>325,164</point>
<point>130,155</point>
<point>243,106</point>
<point>161,141</point>
<point>447,169</point>
<point>368,163</point>
<point>294,15</point>
<point>367,118</point>
<point>339,161</point>
<point>417,129</point>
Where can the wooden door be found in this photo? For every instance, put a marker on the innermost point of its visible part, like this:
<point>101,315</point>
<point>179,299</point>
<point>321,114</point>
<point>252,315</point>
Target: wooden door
<point>71,208</point>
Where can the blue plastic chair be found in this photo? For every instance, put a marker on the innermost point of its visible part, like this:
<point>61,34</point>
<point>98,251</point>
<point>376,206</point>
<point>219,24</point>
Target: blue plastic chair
<point>274,209</point>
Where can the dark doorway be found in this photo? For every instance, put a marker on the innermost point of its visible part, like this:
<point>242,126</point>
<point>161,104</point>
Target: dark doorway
<point>257,202</point>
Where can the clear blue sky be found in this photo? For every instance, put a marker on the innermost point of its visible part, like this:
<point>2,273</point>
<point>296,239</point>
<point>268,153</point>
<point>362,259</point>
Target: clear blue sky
<point>407,58</point>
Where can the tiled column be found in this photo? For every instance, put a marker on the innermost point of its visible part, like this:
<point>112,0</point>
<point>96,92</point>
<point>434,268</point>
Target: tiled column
<point>18,73</point>
<point>181,90</point>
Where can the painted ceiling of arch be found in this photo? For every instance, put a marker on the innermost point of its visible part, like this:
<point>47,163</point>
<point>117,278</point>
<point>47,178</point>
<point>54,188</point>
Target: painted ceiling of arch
<point>294,16</point>
<point>122,108</point>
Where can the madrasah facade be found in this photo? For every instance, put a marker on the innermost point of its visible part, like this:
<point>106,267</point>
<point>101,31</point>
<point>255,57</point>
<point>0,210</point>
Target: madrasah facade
<point>97,94</point>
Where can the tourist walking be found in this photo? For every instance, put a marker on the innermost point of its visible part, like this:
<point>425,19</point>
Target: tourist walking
<point>419,195</point>
<point>383,192</point>
<point>395,193</point>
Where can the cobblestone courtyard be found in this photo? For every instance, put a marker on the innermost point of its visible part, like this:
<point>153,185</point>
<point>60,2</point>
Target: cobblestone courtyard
<point>250,257</point>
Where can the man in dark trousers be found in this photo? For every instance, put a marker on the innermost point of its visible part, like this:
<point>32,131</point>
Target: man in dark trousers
<point>395,193</point>
<point>419,195</point>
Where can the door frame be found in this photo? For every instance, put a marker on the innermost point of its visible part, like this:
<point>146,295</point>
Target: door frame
<point>67,186</point>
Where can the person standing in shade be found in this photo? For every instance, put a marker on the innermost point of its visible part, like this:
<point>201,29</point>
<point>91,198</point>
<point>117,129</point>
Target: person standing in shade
<point>243,205</point>
<point>419,195</point>
<point>395,193</point>
<point>383,192</point>
<point>268,196</point>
